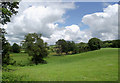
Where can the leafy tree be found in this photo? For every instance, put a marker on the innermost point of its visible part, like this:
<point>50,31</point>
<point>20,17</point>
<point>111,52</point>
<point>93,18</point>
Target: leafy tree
<point>16,48</point>
<point>10,47</point>
<point>75,50</point>
<point>107,43</point>
<point>69,46</point>
<point>5,49</point>
<point>116,43</point>
<point>62,46</point>
<point>66,46</point>
<point>94,43</point>
<point>23,46</point>
<point>36,48</point>
<point>8,9</point>
<point>83,47</point>
<point>58,49</point>
<point>46,46</point>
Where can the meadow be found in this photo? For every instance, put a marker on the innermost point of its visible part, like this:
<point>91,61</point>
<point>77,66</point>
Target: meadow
<point>98,65</point>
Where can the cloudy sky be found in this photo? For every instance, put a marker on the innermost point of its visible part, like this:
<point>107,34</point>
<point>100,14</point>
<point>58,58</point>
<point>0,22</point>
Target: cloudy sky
<point>78,21</point>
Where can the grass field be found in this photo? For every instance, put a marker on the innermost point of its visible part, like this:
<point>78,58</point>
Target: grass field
<point>99,65</point>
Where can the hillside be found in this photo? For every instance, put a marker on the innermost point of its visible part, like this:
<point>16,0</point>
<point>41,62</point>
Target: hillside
<point>99,65</point>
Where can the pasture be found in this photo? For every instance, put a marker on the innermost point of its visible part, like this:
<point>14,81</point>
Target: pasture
<point>98,65</point>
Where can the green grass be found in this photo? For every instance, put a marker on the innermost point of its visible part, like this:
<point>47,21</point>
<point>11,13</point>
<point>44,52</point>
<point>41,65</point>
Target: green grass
<point>99,65</point>
<point>21,58</point>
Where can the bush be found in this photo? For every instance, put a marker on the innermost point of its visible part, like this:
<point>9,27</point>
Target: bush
<point>94,43</point>
<point>16,48</point>
<point>116,43</point>
<point>8,77</point>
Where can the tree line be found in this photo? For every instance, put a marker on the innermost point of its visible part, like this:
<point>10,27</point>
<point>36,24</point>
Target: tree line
<point>36,47</point>
<point>66,47</point>
<point>63,46</point>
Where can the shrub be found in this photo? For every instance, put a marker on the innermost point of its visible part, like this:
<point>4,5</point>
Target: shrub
<point>16,48</point>
<point>94,43</point>
<point>8,77</point>
<point>116,44</point>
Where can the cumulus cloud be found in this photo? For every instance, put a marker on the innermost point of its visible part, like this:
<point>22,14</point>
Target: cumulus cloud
<point>44,18</point>
<point>37,17</point>
<point>103,25</point>
<point>69,33</point>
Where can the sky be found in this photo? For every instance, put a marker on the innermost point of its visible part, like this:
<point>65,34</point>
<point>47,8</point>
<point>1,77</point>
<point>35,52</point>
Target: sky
<point>72,21</point>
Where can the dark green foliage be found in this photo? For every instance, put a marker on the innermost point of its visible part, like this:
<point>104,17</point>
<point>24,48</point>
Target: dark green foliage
<point>23,46</point>
<point>107,44</point>
<point>16,48</point>
<point>5,48</point>
<point>46,45</point>
<point>36,48</point>
<point>74,48</point>
<point>108,41</point>
<point>83,47</point>
<point>10,47</point>
<point>66,47</point>
<point>8,9</point>
<point>6,60</point>
<point>111,43</point>
<point>116,43</point>
<point>61,46</point>
<point>58,49</point>
<point>94,43</point>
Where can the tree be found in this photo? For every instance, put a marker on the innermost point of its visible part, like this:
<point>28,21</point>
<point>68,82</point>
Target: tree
<point>8,9</point>
<point>107,43</point>
<point>116,43</point>
<point>46,46</point>
<point>74,48</point>
<point>62,46</point>
<point>83,47</point>
<point>66,46</point>
<point>16,48</point>
<point>36,47</point>
<point>5,48</point>
<point>94,43</point>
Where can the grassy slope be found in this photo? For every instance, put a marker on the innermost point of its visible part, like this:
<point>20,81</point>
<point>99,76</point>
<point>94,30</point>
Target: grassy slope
<point>100,65</point>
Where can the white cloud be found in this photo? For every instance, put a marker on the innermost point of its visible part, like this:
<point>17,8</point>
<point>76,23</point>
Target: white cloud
<point>69,33</point>
<point>45,18</point>
<point>37,17</point>
<point>103,25</point>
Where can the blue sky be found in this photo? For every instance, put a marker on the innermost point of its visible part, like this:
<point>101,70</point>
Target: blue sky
<point>42,17</point>
<point>74,16</point>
